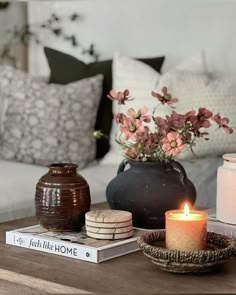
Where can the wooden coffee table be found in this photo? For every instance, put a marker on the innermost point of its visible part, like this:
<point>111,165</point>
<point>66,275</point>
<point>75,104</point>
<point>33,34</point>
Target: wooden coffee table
<point>32,271</point>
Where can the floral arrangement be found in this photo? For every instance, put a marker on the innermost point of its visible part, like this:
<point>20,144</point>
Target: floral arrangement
<point>172,133</point>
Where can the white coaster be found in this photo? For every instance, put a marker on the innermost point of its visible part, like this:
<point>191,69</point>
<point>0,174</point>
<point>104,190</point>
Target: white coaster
<point>108,216</point>
<point>109,225</point>
<point>110,236</point>
<point>101,230</point>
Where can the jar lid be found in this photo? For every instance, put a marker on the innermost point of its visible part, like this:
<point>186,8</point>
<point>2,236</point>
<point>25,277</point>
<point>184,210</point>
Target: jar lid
<point>230,157</point>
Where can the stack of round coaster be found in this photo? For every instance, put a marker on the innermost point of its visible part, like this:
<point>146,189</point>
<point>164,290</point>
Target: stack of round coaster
<point>109,224</point>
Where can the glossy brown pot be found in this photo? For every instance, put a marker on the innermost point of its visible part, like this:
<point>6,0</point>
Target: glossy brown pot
<point>62,198</point>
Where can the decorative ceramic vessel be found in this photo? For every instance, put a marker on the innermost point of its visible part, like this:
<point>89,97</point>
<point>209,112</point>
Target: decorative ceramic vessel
<point>226,190</point>
<point>149,189</point>
<point>62,198</point>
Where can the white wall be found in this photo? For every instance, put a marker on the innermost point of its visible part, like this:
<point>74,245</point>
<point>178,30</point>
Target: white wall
<point>14,15</point>
<point>175,28</point>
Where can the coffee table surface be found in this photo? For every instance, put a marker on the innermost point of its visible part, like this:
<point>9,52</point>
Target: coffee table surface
<point>129,274</point>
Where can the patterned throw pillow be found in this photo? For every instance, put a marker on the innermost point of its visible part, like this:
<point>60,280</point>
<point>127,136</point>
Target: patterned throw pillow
<point>219,95</point>
<point>48,123</point>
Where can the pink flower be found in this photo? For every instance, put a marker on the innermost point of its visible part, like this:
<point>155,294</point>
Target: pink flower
<point>201,120</point>
<point>222,122</point>
<point>119,118</point>
<point>132,153</point>
<point>190,116</point>
<point>162,125</point>
<point>172,144</point>
<point>151,143</point>
<point>121,97</point>
<point>131,128</point>
<point>194,126</point>
<point>140,114</point>
<point>172,132</point>
<point>176,120</point>
<point>166,98</point>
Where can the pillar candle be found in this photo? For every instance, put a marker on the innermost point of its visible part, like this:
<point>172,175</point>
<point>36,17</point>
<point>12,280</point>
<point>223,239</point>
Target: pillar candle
<point>186,230</point>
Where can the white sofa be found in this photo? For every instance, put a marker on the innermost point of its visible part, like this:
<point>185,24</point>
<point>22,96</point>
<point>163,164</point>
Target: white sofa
<point>18,182</point>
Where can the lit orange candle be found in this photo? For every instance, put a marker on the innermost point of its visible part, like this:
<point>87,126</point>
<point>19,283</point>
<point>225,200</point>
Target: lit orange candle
<point>186,229</point>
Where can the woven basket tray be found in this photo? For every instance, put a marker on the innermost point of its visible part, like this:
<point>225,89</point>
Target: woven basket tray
<point>219,249</point>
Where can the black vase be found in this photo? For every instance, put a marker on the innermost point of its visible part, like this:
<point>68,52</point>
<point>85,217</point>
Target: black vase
<point>149,189</point>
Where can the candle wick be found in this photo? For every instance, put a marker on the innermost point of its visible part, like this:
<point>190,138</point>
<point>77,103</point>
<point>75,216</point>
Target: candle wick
<point>186,214</point>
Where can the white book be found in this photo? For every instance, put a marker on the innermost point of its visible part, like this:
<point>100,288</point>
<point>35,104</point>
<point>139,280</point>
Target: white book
<point>71,244</point>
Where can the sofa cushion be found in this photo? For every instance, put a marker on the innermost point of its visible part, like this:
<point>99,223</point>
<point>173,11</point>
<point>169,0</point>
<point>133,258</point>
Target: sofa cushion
<point>18,183</point>
<point>48,123</point>
<point>65,68</point>
<point>17,190</point>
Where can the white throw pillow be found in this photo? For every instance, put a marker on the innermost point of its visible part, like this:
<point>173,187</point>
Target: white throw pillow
<point>140,79</point>
<point>218,95</point>
<point>195,64</point>
<point>46,123</point>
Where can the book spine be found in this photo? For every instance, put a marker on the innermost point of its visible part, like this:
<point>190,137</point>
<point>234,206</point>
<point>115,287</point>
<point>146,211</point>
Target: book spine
<point>228,230</point>
<point>47,245</point>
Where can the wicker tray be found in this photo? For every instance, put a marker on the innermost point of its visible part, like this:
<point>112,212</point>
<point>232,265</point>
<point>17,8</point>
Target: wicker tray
<point>219,250</point>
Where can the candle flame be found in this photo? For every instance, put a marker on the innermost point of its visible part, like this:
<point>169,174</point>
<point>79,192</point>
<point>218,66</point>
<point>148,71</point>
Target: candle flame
<point>186,209</point>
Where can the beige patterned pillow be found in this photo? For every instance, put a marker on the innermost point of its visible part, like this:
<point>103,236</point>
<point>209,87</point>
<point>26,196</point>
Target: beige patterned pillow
<point>197,90</point>
<point>48,123</point>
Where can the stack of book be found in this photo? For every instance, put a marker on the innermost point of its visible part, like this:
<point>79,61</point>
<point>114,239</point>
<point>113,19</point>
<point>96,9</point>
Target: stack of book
<point>76,245</point>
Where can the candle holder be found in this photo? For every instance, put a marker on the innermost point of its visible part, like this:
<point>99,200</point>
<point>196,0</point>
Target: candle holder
<point>219,250</point>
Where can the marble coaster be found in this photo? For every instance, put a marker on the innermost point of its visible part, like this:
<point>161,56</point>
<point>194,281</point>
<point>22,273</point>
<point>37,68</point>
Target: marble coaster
<point>113,236</point>
<point>108,216</point>
<point>101,230</point>
<point>109,225</point>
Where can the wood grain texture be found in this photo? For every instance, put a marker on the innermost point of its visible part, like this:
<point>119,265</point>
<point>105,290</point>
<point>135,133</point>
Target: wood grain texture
<point>109,225</point>
<point>108,216</point>
<point>37,284</point>
<point>111,236</point>
<point>101,230</point>
<point>129,274</point>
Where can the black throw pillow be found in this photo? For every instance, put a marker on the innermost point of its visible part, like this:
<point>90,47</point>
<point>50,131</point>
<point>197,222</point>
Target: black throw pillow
<point>65,68</point>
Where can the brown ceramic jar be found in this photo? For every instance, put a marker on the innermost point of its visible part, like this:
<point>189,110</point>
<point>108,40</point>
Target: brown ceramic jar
<point>62,198</point>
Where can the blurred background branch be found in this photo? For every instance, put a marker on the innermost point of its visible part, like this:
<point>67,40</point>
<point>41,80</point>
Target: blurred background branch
<point>37,32</point>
